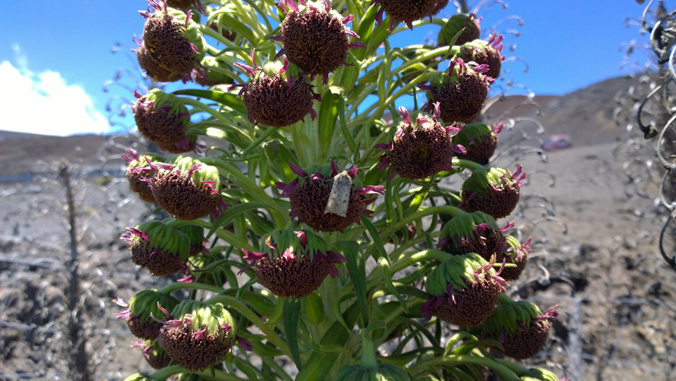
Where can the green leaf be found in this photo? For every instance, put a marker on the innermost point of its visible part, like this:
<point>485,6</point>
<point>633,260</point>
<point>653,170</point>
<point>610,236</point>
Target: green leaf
<point>326,122</point>
<point>356,267</point>
<point>343,126</point>
<point>292,308</point>
<point>375,236</point>
<point>420,196</point>
<point>221,97</point>
<point>319,363</point>
<point>233,212</point>
<point>385,266</point>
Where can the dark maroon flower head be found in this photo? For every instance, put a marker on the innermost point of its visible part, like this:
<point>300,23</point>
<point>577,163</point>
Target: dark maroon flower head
<point>200,334</point>
<point>315,37</point>
<point>145,311</point>
<point>438,6</point>
<point>517,254</point>
<point>485,53</point>
<point>520,327</point>
<point>465,290</point>
<point>173,39</point>
<point>157,247</point>
<point>153,68</point>
<point>188,190</point>
<point>155,356</point>
<point>494,191</point>
<point>479,139</point>
<point>295,264</point>
<point>473,233</point>
<point>139,173</point>
<point>461,92</point>
<point>188,144</point>
<point>328,200</point>
<point>471,32</point>
<point>420,148</point>
<point>161,117</point>
<point>274,96</point>
<point>405,11</point>
<point>185,5</point>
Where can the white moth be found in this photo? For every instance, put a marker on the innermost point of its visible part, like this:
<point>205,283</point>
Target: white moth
<point>339,198</point>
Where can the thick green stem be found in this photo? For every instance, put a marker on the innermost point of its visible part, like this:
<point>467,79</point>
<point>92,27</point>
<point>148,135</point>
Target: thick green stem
<point>190,286</point>
<point>502,371</point>
<point>368,356</point>
<point>472,166</point>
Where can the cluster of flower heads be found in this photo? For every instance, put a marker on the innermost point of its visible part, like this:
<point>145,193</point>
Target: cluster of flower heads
<point>194,334</point>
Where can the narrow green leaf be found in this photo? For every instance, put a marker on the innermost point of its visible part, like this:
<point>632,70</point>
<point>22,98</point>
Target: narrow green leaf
<point>356,267</point>
<point>328,113</point>
<point>375,236</point>
<point>420,196</point>
<point>233,212</point>
<point>319,363</point>
<point>216,96</point>
<point>385,267</point>
<point>292,308</point>
<point>343,126</point>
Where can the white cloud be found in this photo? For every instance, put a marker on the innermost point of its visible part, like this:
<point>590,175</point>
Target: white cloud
<point>44,103</point>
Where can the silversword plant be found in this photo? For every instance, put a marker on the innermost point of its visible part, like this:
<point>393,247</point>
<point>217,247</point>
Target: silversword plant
<point>318,242</point>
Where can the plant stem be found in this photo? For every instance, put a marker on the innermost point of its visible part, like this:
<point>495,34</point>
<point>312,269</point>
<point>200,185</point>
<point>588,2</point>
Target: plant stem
<point>189,286</point>
<point>468,164</point>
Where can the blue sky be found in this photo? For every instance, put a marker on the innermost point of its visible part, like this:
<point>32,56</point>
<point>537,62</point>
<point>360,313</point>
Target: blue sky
<point>56,55</point>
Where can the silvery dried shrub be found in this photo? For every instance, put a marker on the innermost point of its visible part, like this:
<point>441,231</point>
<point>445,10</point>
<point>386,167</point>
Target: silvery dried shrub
<point>273,233</point>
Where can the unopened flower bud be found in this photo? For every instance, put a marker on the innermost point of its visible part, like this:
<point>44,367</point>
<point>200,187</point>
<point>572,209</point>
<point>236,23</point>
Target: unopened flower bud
<point>145,311</point>
<point>158,247</point>
<point>480,141</point>
<point>472,233</point>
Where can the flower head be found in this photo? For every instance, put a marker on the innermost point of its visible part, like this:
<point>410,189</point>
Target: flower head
<point>465,290</point>
<point>520,327</point>
<point>326,199</point>
<point>139,173</point>
<point>295,263</point>
<point>188,190</point>
<point>276,95</point>
<point>420,148</point>
<point>473,233</point>
<point>404,10</point>
<point>158,247</point>
<point>494,191</point>
<point>315,37</point>
<point>471,31</point>
<point>161,117</point>
<point>515,253</point>
<point>461,92</point>
<point>153,68</point>
<point>485,53</point>
<point>200,335</point>
<point>479,139</point>
<point>145,311</point>
<point>173,39</point>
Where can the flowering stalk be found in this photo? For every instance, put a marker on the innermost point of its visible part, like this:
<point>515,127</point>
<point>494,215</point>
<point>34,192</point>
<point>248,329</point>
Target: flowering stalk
<point>312,181</point>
